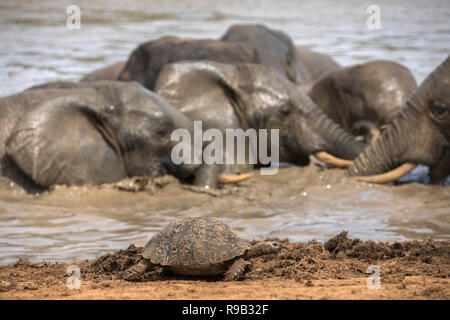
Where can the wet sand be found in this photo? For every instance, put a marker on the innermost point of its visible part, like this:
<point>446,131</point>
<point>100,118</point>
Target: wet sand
<point>336,269</point>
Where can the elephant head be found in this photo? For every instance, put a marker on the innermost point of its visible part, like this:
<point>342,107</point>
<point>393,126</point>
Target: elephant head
<point>420,134</point>
<point>255,96</point>
<point>364,97</point>
<point>146,61</point>
<point>274,48</point>
<point>95,133</point>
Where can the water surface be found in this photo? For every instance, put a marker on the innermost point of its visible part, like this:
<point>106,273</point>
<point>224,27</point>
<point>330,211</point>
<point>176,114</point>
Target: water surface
<point>72,224</point>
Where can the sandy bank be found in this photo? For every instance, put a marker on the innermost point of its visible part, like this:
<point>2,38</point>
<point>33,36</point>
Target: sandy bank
<point>336,269</point>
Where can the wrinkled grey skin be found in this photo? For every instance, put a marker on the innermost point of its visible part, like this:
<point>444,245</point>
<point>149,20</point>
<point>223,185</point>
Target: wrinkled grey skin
<point>86,133</point>
<point>253,96</point>
<point>146,61</point>
<point>107,73</point>
<point>420,134</point>
<point>364,96</point>
<point>275,49</point>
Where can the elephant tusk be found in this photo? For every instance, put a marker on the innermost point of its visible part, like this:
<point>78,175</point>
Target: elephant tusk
<point>390,176</point>
<point>332,160</point>
<point>233,178</point>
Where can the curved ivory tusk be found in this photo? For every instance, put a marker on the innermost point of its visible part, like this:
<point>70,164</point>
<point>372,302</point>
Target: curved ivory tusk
<point>233,178</point>
<point>332,160</point>
<point>390,176</point>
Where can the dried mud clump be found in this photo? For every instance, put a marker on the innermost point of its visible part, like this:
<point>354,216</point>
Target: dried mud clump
<point>423,251</point>
<point>340,243</point>
<point>340,257</point>
<point>113,265</point>
<point>411,266</point>
<point>118,261</point>
<point>343,258</point>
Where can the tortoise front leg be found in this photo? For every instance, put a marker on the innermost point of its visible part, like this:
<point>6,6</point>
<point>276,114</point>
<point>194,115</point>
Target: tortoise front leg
<point>236,271</point>
<point>134,273</point>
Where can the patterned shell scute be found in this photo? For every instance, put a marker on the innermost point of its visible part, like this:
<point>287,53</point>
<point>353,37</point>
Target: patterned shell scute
<point>194,241</point>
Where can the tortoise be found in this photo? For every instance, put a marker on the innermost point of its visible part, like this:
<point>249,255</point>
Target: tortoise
<point>199,246</point>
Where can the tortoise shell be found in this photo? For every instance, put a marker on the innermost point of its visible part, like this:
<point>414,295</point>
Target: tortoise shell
<point>194,242</point>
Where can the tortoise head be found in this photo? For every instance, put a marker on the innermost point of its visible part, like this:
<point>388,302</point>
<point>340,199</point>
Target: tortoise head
<point>262,248</point>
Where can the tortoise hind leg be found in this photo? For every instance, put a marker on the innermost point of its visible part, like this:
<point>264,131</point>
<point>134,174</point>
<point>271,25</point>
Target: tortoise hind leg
<point>134,273</point>
<point>236,271</point>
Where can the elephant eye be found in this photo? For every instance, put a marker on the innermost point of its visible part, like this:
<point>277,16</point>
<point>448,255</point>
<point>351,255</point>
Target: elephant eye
<point>285,109</point>
<point>440,111</point>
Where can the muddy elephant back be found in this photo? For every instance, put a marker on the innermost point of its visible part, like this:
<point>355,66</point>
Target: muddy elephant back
<point>146,62</point>
<point>107,73</point>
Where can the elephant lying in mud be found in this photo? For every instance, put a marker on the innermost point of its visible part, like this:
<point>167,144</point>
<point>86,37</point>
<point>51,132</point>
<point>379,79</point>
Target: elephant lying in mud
<point>86,133</point>
<point>276,49</point>
<point>420,134</point>
<point>364,97</point>
<point>225,96</point>
<point>145,62</point>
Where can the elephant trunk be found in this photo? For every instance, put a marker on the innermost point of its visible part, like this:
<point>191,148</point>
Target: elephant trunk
<point>391,150</point>
<point>336,141</point>
<point>412,138</point>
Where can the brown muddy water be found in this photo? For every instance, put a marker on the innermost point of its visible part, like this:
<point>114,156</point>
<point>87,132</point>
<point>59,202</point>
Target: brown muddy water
<point>297,203</point>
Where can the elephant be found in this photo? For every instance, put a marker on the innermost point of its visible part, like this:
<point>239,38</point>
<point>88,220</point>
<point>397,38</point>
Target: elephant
<point>419,134</point>
<point>145,62</point>
<point>364,97</point>
<point>276,49</point>
<point>110,72</point>
<point>317,64</point>
<point>243,96</point>
<point>87,133</point>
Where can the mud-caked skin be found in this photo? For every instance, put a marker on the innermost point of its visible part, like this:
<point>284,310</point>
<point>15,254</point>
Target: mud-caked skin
<point>199,246</point>
<point>86,133</point>
<point>366,96</point>
<point>225,96</point>
<point>145,62</point>
<point>420,134</point>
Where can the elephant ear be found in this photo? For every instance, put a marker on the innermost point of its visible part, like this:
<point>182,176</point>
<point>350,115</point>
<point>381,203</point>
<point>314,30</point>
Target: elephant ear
<point>59,143</point>
<point>189,85</point>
